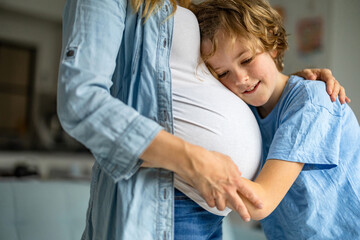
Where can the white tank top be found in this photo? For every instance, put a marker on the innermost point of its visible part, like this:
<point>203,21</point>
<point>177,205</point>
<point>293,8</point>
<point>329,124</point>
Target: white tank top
<point>205,112</point>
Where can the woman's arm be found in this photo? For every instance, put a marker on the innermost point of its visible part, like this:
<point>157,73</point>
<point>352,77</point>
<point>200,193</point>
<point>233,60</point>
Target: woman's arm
<point>213,174</point>
<point>333,87</point>
<point>273,182</point>
<point>92,35</point>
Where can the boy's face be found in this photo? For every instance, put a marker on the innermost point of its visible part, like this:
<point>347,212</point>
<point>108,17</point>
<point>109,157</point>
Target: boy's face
<point>251,77</point>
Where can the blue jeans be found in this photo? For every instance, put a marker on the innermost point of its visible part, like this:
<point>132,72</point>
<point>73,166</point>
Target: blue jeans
<point>192,222</point>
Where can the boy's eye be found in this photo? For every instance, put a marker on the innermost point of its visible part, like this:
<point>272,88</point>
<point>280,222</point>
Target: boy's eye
<point>221,75</point>
<point>248,60</point>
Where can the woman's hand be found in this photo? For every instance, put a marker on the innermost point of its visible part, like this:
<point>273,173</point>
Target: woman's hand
<point>213,174</point>
<point>333,87</point>
<point>218,180</point>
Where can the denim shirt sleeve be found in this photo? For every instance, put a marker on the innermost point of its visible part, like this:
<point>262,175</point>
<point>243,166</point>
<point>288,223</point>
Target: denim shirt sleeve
<point>114,132</point>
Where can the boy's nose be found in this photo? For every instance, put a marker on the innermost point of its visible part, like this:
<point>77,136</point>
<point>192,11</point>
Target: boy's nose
<point>241,77</point>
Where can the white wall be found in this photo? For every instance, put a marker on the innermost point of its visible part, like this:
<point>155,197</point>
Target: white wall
<point>298,10</point>
<point>345,54</point>
<point>341,37</point>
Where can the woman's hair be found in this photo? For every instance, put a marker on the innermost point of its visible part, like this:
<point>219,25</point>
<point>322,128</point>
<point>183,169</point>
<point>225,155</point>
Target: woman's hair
<point>151,5</point>
<point>254,20</point>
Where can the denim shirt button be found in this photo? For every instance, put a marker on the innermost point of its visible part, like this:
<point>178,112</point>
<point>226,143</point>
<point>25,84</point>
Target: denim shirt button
<point>70,53</point>
<point>165,43</point>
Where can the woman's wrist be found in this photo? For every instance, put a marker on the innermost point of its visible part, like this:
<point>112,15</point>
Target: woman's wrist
<point>169,152</point>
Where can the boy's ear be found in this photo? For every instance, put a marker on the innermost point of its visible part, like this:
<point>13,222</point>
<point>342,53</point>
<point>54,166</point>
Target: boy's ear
<point>273,53</point>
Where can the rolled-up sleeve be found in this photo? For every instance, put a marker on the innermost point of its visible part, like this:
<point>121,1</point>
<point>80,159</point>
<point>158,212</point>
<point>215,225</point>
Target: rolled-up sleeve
<point>114,132</point>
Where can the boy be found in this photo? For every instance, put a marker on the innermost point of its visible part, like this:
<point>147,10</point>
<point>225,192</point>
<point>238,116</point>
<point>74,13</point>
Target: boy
<point>311,146</point>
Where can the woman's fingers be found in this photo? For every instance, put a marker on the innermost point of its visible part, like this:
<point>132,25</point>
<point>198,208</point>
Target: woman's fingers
<point>245,191</point>
<point>335,91</point>
<point>236,203</point>
<point>310,74</point>
<point>333,87</point>
<point>241,209</point>
<point>210,200</point>
<point>339,91</point>
<point>325,75</point>
<point>218,180</point>
<point>229,199</point>
<point>220,202</point>
<point>342,96</point>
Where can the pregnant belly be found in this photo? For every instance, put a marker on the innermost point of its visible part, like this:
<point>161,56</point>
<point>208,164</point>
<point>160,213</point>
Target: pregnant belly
<point>209,115</point>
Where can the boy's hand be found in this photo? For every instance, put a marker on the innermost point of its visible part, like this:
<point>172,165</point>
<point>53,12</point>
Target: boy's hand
<point>333,87</point>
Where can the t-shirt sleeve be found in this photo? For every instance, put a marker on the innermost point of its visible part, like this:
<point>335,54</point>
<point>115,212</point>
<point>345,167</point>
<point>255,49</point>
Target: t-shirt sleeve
<point>309,132</point>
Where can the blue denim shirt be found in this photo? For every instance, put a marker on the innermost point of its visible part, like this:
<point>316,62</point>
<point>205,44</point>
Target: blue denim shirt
<point>114,96</point>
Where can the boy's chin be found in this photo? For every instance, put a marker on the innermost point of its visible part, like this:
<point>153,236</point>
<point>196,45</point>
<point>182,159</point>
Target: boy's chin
<point>255,104</point>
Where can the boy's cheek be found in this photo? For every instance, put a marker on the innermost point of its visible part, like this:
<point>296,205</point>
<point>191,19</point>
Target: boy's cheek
<point>205,47</point>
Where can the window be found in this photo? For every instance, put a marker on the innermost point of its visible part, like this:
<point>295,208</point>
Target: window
<point>17,67</point>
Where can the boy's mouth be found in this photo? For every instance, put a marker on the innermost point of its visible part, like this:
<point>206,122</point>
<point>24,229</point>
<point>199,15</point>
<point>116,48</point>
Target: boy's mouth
<point>252,88</point>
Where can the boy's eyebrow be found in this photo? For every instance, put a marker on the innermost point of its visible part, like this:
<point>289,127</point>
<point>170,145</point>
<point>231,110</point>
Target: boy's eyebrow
<point>236,57</point>
<point>239,55</point>
<point>216,68</point>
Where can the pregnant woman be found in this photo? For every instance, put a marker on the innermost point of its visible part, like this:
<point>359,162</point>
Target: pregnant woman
<point>115,96</point>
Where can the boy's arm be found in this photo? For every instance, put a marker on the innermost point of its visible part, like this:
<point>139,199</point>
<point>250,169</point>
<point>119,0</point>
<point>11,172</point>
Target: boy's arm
<point>271,185</point>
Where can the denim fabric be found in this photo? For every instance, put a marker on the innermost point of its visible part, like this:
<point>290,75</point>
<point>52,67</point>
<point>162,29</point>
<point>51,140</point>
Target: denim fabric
<point>192,222</point>
<point>114,96</point>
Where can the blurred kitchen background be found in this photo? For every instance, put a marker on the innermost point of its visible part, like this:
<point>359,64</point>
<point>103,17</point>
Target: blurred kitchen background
<point>44,173</point>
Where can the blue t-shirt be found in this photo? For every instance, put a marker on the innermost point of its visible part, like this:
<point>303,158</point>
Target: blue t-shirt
<point>324,201</point>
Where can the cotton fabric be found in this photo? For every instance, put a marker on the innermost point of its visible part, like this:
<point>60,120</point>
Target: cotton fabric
<point>305,126</point>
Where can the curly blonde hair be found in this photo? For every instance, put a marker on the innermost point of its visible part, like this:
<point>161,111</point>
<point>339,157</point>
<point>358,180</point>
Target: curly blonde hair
<point>151,5</point>
<point>254,20</point>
